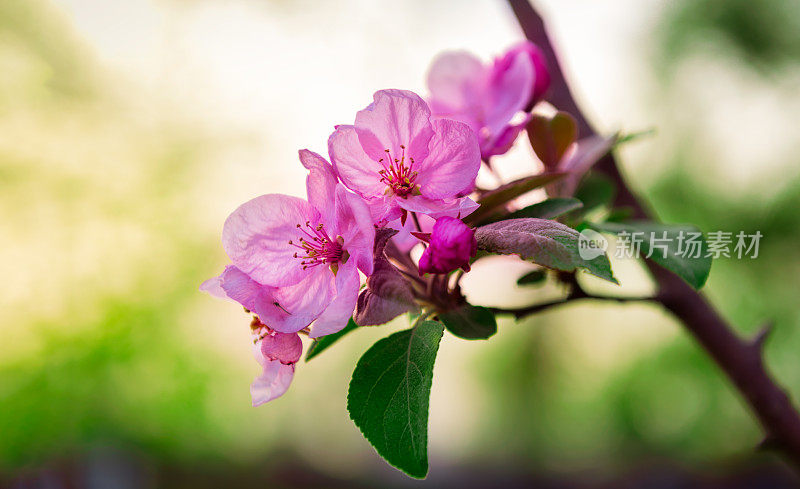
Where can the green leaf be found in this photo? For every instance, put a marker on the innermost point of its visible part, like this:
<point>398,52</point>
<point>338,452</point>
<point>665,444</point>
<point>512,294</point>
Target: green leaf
<point>492,200</point>
<point>548,209</point>
<point>619,214</point>
<point>470,322</point>
<point>389,395</point>
<point>633,136</point>
<point>545,242</point>
<point>534,277</point>
<point>551,136</point>
<point>667,253</point>
<point>321,344</point>
<point>595,190</point>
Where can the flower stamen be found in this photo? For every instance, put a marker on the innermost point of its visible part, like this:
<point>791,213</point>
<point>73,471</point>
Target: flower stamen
<point>316,246</point>
<point>399,178</point>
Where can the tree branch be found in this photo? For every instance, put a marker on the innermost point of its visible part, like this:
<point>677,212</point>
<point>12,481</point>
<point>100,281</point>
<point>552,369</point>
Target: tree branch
<point>575,295</point>
<point>741,360</point>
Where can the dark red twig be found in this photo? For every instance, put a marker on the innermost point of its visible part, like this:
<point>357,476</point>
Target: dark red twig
<point>523,312</point>
<point>740,359</point>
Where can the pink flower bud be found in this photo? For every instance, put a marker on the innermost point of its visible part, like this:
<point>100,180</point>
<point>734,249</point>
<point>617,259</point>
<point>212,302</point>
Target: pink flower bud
<point>451,246</point>
<point>286,348</point>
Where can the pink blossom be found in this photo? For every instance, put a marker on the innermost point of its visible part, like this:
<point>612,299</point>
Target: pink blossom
<point>452,244</point>
<point>295,266</point>
<point>489,98</point>
<point>399,160</point>
<point>296,262</point>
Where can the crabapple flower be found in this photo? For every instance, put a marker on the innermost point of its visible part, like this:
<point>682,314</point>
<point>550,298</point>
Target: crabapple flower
<point>489,98</point>
<point>399,160</point>
<point>295,266</point>
<point>452,244</point>
<point>296,262</point>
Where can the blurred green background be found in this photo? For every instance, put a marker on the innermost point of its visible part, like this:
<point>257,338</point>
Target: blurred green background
<point>129,130</point>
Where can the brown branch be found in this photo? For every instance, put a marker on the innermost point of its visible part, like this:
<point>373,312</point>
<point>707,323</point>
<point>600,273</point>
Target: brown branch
<point>741,360</point>
<point>575,295</point>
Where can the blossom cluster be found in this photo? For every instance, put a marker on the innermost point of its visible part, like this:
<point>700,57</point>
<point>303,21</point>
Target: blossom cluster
<point>404,170</point>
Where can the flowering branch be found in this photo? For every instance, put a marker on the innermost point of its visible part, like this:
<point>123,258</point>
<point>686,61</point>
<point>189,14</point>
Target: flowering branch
<point>740,359</point>
<point>297,264</point>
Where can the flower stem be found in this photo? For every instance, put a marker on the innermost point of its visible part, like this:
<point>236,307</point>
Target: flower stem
<point>416,222</point>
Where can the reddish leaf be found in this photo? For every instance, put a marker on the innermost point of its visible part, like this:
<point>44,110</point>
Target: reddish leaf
<point>551,136</point>
<point>387,294</point>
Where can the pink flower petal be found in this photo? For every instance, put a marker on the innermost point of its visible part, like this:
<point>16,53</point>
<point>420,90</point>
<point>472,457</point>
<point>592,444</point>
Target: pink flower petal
<point>354,225</point>
<point>256,238</point>
<point>306,300</point>
<point>356,170</point>
<point>541,75</point>
<point>278,308</point>
<point>340,310</point>
<point>436,208</point>
<point>320,183</point>
<point>505,139</point>
<point>459,207</point>
<point>457,82</point>
<point>404,240</point>
<point>383,209</point>
<point>286,348</point>
<point>395,118</point>
<point>509,90</point>
<point>214,287</point>
<point>238,286</point>
<point>272,383</point>
<point>453,162</point>
<point>489,98</point>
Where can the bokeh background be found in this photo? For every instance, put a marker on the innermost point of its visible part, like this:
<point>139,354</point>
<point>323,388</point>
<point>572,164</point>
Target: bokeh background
<point>129,129</point>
